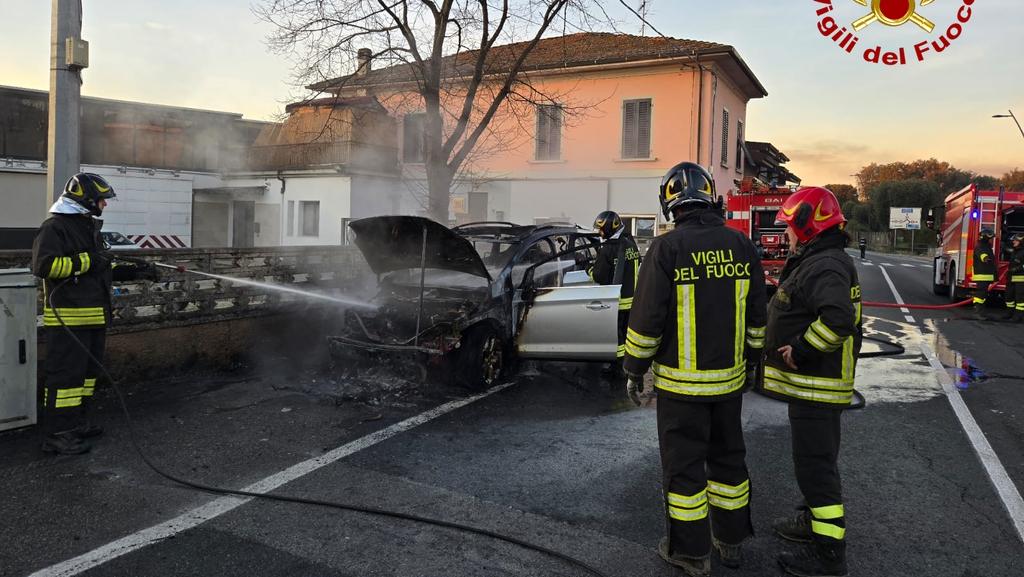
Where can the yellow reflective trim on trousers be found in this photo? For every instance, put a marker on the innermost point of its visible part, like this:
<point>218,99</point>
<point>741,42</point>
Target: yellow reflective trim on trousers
<point>67,403</point>
<point>642,340</point>
<point>625,304</point>
<point>1019,307</point>
<point>740,322</point>
<point>828,512</point>
<point>979,301</point>
<point>621,352</point>
<point>686,326</point>
<point>756,332</point>
<point>729,490</point>
<point>828,530</point>
<point>729,503</point>
<point>688,515</point>
<point>983,278</point>
<point>755,343</point>
<point>88,387</point>
<point>66,398</point>
<point>1017,278</point>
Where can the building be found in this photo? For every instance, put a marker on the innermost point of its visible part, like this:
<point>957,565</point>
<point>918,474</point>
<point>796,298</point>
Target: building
<point>617,112</point>
<point>155,156</point>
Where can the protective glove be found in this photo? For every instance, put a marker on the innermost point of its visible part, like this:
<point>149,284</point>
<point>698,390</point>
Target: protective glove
<point>100,261</point>
<point>634,386</point>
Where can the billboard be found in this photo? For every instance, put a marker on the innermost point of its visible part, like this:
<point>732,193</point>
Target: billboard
<point>905,218</point>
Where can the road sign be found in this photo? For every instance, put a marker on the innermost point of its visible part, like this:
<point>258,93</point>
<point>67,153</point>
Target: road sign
<point>905,218</point>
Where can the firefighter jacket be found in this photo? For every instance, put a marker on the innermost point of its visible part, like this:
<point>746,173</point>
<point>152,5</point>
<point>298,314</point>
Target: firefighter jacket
<point>1016,268</point>
<point>817,310</point>
<point>618,262</point>
<point>698,317</point>
<point>984,263</point>
<point>68,252</point>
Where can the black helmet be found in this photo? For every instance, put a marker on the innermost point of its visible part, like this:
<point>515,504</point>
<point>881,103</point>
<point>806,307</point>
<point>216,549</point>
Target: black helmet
<point>87,189</point>
<point>607,224</point>
<point>986,234</point>
<point>1019,237</point>
<point>684,183</point>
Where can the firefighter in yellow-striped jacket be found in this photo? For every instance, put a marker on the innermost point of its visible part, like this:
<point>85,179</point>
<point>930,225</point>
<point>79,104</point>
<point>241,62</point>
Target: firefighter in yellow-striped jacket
<point>77,273</point>
<point>617,262</point>
<point>812,343</point>
<point>983,271</point>
<point>698,321</point>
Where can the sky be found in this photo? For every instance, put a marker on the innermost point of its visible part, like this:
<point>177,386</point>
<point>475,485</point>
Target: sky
<point>829,111</point>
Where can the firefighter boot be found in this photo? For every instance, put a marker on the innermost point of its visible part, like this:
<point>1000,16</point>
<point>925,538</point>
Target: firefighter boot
<point>818,559</point>
<point>731,555</point>
<point>64,443</point>
<point>796,528</point>
<point>691,566</point>
<point>979,312</point>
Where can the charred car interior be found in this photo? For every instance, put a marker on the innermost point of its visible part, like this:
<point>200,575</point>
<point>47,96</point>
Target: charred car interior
<point>467,302</point>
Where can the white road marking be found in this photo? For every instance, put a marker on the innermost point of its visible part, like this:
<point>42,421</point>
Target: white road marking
<point>868,263</point>
<point>909,265</point>
<point>909,319</point>
<point>899,299</point>
<point>1004,486</point>
<point>222,505</point>
<point>888,264</point>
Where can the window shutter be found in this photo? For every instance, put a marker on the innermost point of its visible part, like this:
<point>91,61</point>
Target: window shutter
<point>629,129</point>
<point>542,133</point>
<point>725,138</point>
<point>555,135</point>
<point>643,144</point>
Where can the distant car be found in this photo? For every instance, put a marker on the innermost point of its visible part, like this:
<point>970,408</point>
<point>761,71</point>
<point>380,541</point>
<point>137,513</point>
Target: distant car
<point>491,293</point>
<point>117,241</point>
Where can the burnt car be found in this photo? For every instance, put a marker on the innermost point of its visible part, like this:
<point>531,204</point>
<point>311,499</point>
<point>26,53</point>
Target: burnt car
<point>472,300</point>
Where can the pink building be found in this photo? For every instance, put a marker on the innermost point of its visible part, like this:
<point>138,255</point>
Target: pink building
<point>610,113</point>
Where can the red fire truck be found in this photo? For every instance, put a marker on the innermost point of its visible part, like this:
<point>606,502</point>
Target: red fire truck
<point>752,209</point>
<point>964,214</point>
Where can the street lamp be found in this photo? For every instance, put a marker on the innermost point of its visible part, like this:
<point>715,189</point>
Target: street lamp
<point>1010,115</point>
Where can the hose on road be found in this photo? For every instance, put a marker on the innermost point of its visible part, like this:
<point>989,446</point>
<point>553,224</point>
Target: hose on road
<point>133,438</point>
<point>881,305</point>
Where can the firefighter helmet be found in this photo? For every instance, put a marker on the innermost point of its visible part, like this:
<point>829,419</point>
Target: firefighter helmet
<point>1019,237</point>
<point>986,234</point>
<point>686,183</point>
<point>607,224</point>
<point>810,212</point>
<point>88,189</point>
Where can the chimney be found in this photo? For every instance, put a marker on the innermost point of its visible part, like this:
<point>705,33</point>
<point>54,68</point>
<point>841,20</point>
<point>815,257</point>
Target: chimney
<point>363,57</point>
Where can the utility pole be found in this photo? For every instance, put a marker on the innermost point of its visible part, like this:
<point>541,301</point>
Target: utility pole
<point>68,55</point>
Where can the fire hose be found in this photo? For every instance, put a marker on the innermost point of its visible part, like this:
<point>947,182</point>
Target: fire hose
<point>881,305</point>
<point>366,509</point>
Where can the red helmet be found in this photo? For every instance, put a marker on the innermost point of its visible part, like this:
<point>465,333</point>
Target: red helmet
<point>810,212</point>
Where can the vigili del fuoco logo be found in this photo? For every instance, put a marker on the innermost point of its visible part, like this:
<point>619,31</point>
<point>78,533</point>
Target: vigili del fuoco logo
<point>919,17</point>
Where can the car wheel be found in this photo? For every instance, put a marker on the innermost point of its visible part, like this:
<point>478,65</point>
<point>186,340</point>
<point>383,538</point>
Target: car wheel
<point>481,359</point>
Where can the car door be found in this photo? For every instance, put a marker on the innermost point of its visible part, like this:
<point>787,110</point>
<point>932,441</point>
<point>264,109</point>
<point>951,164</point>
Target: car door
<point>575,322</point>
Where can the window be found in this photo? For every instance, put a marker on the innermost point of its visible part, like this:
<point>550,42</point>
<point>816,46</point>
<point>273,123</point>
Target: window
<point>640,226</point>
<point>414,138</point>
<point>309,215</point>
<point>347,236</point>
<point>739,146</point>
<point>290,226</point>
<point>636,129</point>
<point>725,138</point>
<point>549,132</point>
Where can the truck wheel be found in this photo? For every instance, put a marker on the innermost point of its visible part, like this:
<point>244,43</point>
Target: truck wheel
<point>938,286</point>
<point>481,359</point>
<point>955,295</point>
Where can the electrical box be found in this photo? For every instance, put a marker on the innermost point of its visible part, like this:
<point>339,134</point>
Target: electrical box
<point>18,301</point>
<point>76,53</point>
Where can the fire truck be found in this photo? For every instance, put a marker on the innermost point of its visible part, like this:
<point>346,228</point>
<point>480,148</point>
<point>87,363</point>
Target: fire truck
<point>964,214</point>
<point>751,209</point>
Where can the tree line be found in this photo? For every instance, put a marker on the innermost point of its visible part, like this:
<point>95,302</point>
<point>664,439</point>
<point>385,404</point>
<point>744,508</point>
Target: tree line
<point>919,184</point>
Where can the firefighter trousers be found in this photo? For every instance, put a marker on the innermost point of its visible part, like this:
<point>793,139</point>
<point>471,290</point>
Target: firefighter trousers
<point>703,460</point>
<point>981,292</point>
<point>1015,296</point>
<point>70,376</point>
<point>623,326</point>
<point>816,435</point>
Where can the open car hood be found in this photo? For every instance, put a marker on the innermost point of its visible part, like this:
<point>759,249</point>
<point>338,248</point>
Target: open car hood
<point>391,243</point>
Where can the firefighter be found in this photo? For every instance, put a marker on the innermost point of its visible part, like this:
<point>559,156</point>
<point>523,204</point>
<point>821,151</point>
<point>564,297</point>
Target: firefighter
<point>698,320</point>
<point>618,261</point>
<point>862,243</point>
<point>984,271</point>
<point>77,273</point>
<point>1015,286</point>
<point>812,343</point>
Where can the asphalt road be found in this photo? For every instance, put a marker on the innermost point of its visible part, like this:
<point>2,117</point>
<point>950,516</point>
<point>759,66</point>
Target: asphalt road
<point>554,458</point>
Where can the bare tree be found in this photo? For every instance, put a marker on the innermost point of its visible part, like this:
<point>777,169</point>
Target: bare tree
<point>465,61</point>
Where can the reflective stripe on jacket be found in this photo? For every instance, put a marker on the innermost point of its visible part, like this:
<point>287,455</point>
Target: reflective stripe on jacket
<point>62,256</point>
<point>816,310</point>
<point>698,315</point>
<point>984,269</point>
<point>606,267</point>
